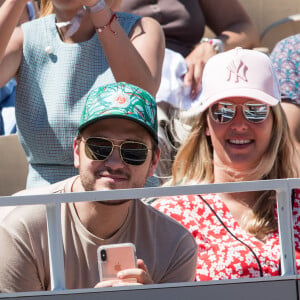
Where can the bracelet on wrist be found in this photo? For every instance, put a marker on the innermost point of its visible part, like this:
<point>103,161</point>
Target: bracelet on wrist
<point>217,44</point>
<point>108,25</point>
<point>96,7</point>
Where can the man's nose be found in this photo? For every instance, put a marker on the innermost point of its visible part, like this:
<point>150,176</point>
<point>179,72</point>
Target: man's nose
<point>114,161</point>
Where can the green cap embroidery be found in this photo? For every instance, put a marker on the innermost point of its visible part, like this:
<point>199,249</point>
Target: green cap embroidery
<point>120,100</point>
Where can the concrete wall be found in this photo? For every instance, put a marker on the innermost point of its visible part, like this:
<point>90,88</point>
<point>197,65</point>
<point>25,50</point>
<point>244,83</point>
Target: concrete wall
<point>265,12</point>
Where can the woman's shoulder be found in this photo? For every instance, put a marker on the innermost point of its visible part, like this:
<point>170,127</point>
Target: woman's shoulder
<point>37,22</point>
<point>40,27</point>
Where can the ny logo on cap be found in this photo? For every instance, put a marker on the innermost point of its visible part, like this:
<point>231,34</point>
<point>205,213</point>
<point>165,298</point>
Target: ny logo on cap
<point>237,70</point>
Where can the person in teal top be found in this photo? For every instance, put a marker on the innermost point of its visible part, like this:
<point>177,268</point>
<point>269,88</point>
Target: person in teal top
<point>58,58</point>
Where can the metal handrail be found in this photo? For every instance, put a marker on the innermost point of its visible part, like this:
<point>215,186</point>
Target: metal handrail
<point>292,18</point>
<point>283,188</point>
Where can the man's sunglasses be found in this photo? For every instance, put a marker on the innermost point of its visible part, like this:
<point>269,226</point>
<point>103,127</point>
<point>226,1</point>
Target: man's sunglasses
<point>132,153</point>
<point>224,112</point>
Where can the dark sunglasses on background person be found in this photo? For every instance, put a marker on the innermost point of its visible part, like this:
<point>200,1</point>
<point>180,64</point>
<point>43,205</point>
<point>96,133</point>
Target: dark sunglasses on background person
<point>224,112</point>
<point>132,153</point>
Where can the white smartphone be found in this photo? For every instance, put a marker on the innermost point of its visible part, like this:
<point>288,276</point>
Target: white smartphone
<point>114,258</point>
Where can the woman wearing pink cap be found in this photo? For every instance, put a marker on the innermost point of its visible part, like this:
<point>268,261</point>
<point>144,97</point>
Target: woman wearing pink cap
<point>241,134</point>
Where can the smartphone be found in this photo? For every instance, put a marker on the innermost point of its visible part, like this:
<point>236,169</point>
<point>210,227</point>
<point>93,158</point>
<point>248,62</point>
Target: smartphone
<point>114,258</point>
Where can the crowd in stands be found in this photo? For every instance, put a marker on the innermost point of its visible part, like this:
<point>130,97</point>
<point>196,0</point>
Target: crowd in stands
<point>122,94</point>
<point>64,43</point>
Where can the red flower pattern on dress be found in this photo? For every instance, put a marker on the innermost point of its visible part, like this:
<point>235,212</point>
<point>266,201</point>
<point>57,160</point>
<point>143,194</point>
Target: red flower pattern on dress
<point>221,256</point>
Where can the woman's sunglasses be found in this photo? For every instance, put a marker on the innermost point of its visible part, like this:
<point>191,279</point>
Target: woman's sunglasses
<point>132,153</point>
<point>224,112</point>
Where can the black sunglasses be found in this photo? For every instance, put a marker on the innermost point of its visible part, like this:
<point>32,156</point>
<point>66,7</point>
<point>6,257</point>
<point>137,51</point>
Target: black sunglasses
<point>132,153</point>
<point>224,112</point>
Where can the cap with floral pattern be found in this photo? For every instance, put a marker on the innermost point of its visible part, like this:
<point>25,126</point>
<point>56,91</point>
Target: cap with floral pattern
<point>120,100</point>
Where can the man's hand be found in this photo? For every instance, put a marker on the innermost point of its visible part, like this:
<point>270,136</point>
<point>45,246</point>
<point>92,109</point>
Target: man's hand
<point>196,61</point>
<point>136,276</point>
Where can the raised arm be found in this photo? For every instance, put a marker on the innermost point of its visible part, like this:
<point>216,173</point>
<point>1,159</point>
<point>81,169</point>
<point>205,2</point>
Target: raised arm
<point>137,59</point>
<point>11,41</point>
<point>230,22</point>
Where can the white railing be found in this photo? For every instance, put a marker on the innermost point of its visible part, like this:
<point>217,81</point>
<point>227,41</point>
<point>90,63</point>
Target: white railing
<point>283,188</point>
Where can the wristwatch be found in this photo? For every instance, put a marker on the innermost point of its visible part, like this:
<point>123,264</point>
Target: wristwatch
<point>216,43</point>
<point>96,7</point>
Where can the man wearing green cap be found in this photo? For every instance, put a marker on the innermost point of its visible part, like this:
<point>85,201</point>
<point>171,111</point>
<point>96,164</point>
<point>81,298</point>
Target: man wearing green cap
<point>116,148</point>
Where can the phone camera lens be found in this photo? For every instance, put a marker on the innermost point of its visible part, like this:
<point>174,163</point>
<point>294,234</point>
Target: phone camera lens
<point>103,255</point>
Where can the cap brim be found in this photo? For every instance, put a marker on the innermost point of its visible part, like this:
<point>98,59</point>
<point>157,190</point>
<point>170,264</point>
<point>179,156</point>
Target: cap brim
<point>151,132</point>
<point>245,93</point>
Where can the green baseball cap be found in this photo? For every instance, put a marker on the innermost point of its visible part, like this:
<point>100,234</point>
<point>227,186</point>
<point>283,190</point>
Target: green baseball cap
<point>120,100</point>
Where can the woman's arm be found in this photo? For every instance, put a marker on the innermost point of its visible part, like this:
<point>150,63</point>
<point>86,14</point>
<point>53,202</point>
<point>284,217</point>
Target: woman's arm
<point>148,39</point>
<point>11,41</point>
<point>137,59</point>
<point>230,22</point>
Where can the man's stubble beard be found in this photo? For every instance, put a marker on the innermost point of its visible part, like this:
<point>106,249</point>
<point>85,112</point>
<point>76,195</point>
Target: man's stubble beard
<point>88,182</point>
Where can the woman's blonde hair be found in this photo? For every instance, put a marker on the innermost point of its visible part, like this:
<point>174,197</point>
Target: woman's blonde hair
<point>194,163</point>
<point>46,8</point>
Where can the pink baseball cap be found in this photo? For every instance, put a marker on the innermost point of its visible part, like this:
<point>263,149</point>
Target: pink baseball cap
<point>239,73</point>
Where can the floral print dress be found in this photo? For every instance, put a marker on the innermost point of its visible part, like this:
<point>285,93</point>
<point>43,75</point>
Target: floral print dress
<point>220,254</point>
